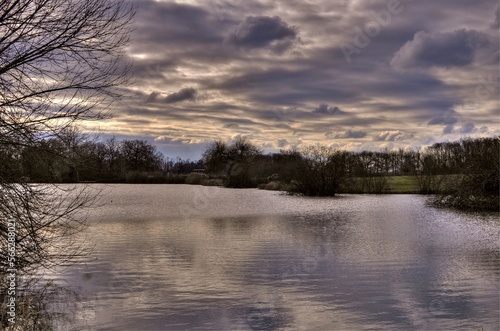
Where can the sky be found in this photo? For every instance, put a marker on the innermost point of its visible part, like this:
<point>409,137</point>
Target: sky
<point>351,74</point>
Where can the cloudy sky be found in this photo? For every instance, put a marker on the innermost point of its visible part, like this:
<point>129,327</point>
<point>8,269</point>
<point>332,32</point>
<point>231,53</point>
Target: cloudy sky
<point>354,74</point>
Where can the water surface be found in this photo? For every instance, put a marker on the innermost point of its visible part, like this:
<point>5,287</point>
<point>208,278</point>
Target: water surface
<point>178,257</point>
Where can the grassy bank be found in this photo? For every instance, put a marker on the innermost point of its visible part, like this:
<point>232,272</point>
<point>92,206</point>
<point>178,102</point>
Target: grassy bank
<point>401,185</point>
<point>378,185</point>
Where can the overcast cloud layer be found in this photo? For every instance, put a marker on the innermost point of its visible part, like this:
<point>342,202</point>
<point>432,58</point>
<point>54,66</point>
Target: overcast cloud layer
<point>352,74</point>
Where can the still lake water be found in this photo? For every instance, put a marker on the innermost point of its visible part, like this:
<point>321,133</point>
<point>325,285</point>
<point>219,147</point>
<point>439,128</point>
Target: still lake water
<point>178,257</point>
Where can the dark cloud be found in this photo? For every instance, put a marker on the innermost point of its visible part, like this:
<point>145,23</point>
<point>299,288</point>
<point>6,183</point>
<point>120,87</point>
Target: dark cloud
<point>281,143</point>
<point>448,129</point>
<point>440,49</point>
<point>284,86</point>
<point>231,122</point>
<point>324,109</point>
<point>152,97</point>
<point>447,117</point>
<point>261,31</point>
<point>351,134</point>
<point>465,128</point>
<point>188,93</point>
<point>152,68</point>
<point>396,135</point>
<point>225,53</point>
<point>166,22</point>
<point>494,25</point>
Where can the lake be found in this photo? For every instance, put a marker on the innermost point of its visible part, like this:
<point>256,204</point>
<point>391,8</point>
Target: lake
<point>179,257</point>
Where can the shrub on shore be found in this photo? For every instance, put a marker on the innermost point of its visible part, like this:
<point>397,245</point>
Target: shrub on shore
<point>359,185</point>
<point>195,178</point>
<point>275,186</point>
<point>479,187</point>
<point>473,192</point>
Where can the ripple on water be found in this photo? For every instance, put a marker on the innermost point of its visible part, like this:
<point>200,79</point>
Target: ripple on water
<point>188,257</point>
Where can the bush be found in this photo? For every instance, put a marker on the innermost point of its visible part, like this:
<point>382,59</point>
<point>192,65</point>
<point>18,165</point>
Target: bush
<point>195,178</point>
<point>359,185</point>
<point>321,172</point>
<point>240,179</point>
<point>275,186</point>
<point>473,192</point>
<point>479,187</point>
<point>41,307</point>
<point>430,184</point>
<point>213,182</point>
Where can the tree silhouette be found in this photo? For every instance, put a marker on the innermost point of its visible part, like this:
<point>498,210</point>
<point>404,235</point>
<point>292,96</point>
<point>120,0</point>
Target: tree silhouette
<point>61,62</point>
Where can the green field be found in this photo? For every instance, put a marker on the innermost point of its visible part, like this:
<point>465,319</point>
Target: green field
<point>401,184</point>
<point>376,185</point>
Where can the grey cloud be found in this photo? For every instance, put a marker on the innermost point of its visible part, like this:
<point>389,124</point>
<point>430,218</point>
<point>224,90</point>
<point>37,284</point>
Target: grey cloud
<point>182,24</point>
<point>448,129</point>
<point>228,58</point>
<point>483,129</point>
<point>324,109</point>
<point>440,49</point>
<point>281,143</point>
<point>282,126</point>
<point>261,31</point>
<point>448,117</point>
<point>284,85</point>
<point>236,122</point>
<point>152,68</point>
<point>188,93</point>
<point>351,134</point>
<point>400,85</point>
<point>152,97</point>
<point>494,25</point>
<point>393,136</point>
<point>465,128</point>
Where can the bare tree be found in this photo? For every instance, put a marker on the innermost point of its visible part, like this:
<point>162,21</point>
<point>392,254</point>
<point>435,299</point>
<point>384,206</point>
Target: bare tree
<point>216,156</point>
<point>61,62</point>
<point>424,169</point>
<point>321,171</point>
<point>478,186</point>
<point>234,160</point>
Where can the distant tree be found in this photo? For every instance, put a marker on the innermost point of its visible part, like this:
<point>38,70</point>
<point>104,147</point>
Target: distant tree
<point>139,155</point>
<point>10,163</point>
<point>286,164</point>
<point>233,160</point>
<point>426,171</point>
<point>216,156</point>
<point>113,159</point>
<point>478,187</point>
<point>321,171</point>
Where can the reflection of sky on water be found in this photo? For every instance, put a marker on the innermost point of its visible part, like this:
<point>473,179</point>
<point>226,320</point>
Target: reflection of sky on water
<point>386,262</point>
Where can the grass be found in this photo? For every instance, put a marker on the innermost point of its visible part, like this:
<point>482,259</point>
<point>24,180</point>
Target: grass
<point>394,185</point>
<point>409,184</point>
<point>401,185</point>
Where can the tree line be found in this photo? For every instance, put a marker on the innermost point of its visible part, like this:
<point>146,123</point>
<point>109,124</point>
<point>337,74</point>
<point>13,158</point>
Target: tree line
<point>72,158</point>
<point>464,173</point>
<point>315,170</point>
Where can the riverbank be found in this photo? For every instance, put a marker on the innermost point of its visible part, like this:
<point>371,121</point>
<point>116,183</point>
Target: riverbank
<point>378,185</point>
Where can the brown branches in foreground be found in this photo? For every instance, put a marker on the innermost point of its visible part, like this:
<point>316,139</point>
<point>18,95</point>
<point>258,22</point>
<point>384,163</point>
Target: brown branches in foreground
<point>61,62</point>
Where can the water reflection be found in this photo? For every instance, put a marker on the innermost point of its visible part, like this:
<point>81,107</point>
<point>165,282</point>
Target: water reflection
<point>379,263</point>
